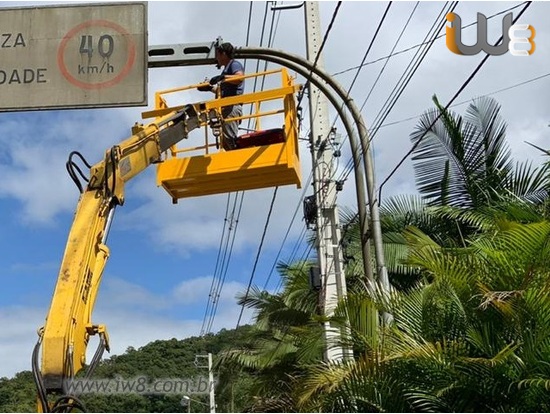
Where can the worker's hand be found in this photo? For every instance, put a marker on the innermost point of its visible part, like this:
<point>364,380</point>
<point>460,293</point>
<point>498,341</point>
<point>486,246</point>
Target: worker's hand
<point>204,88</point>
<point>216,79</point>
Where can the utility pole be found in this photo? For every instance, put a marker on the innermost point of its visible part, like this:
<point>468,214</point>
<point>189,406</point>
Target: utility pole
<point>329,252</point>
<point>211,384</point>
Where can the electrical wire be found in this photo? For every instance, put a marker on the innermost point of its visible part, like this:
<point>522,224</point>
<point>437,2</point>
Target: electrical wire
<point>382,115</point>
<point>455,96</point>
<point>420,44</point>
<point>411,69</point>
<point>258,254</point>
<point>224,253</point>
<point>377,127</point>
<point>218,280</point>
<point>380,23</point>
<point>275,261</point>
<point>469,100</point>
<point>222,281</point>
<point>359,68</point>
<point>406,77</point>
<point>387,60</point>
<point>221,263</point>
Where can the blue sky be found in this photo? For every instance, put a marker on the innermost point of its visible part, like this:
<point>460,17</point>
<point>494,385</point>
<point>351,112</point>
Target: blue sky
<point>163,256</point>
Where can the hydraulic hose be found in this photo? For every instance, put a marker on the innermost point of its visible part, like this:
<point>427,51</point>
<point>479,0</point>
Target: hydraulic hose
<point>265,53</point>
<point>298,63</point>
<point>359,174</point>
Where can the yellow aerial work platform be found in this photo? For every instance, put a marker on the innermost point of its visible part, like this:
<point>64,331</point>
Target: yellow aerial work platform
<point>263,158</point>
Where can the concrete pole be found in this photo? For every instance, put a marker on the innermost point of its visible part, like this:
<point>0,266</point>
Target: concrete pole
<point>329,252</point>
<point>211,384</point>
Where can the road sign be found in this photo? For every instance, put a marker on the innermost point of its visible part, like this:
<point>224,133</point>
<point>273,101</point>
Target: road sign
<point>74,56</point>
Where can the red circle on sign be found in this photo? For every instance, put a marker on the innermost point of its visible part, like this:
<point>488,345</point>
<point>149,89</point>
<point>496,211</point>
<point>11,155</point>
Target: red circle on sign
<point>106,84</point>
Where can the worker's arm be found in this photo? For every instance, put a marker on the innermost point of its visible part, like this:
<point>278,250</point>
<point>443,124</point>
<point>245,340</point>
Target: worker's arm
<point>234,79</point>
<point>68,325</point>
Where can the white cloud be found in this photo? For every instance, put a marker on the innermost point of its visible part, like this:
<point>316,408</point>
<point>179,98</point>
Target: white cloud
<point>134,316</point>
<point>193,291</point>
<point>34,148</point>
<point>18,338</point>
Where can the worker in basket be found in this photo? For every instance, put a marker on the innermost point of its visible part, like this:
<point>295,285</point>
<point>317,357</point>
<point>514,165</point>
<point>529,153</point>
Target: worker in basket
<point>229,83</point>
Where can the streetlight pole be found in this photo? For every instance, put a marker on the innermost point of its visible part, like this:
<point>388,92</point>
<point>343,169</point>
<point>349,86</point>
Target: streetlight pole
<point>211,383</point>
<point>187,402</point>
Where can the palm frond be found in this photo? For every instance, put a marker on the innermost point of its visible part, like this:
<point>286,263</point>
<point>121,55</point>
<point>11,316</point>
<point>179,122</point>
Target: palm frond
<point>461,161</point>
<point>528,183</point>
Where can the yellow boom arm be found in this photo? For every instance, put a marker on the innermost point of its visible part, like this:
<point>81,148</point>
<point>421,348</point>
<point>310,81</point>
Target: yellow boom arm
<point>68,326</point>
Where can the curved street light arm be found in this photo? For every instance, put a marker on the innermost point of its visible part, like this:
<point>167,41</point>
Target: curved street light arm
<point>358,170</point>
<point>365,147</point>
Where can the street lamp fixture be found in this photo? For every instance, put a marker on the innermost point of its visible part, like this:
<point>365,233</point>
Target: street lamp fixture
<point>186,401</point>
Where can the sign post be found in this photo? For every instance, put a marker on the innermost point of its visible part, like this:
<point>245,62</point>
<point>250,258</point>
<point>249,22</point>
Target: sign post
<point>74,56</point>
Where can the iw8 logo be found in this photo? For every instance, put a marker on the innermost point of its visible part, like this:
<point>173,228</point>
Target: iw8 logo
<point>512,43</point>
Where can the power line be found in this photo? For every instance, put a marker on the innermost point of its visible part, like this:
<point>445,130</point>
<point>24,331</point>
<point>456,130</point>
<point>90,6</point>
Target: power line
<point>411,69</point>
<point>212,289</point>
<point>348,166</point>
<point>380,118</point>
<point>288,230</point>
<point>468,100</point>
<point>405,78</point>
<point>258,254</point>
<point>387,60</point>
<point>370,45</point>
<point>359,68</point>
<point>270,42</point>
<point>225,269</point>
<point>218,279</point>
<point>420,44</point>
<point>468,80</point>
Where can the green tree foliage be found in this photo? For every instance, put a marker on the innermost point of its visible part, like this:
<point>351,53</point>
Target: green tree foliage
<point>468,262</point>
<point>18,394</point>
<point>157,360</point>
<point>475,339</point>
<point>285,338</point>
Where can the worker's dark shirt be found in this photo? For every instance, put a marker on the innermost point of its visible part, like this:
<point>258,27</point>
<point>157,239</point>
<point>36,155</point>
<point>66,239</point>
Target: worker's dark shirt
<point>230,89</point>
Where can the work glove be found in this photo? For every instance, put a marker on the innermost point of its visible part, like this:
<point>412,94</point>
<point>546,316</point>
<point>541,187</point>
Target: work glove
<point>217,79</point>
<point>204,88</point>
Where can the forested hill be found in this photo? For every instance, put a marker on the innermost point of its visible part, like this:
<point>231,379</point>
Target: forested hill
<point>167,359</point>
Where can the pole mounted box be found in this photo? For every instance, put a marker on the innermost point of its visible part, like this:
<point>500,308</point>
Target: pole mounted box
<point>73,56</point>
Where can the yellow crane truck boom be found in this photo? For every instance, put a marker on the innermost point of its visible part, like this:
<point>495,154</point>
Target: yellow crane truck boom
<point>63,339</point>
<point>264,158</point>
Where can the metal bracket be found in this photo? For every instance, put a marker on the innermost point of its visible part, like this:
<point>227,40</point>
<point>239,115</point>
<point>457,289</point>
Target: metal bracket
<point>183,54</point>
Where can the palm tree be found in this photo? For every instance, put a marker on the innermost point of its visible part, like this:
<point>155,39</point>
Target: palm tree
<point>462,165</point>
<point>464,161</point>
<point>477,338</point>
<point>469,333</point>
<point>468,188</point>
<point>287,335</point>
